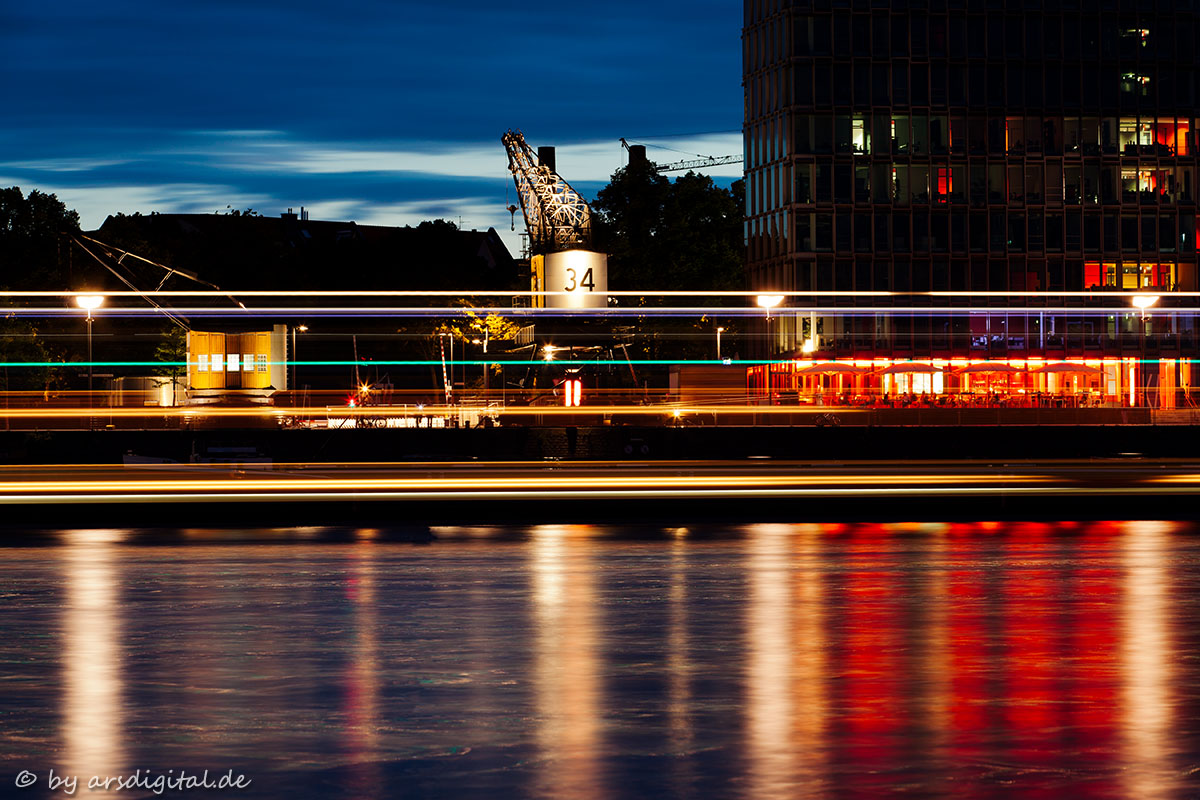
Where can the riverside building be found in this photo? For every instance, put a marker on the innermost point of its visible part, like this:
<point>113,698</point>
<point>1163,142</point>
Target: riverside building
<point>1040,158</point>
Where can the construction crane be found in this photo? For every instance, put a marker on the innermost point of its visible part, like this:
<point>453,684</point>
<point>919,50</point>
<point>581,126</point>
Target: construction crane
<point>557,217</point>
<point>700,162</point>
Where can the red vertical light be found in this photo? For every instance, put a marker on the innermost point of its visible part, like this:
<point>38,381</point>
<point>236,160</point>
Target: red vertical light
<point>572,392</point>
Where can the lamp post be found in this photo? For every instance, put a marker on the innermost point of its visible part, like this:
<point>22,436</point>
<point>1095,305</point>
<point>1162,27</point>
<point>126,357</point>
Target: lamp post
<point>719,332</point>
<point>296,359</point>
<point>768,301</point>
<point>89,302</point>
<point>484,342</point>
<point>1143,302</point>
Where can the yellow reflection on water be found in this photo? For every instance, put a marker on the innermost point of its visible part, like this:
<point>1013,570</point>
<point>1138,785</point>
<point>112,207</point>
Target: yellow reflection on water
<point>1146,655</point>
<point>680,733</point>
<point>362,678</point>
<point>786,701</point>
<point>92,703</point>
<point>569,695</point>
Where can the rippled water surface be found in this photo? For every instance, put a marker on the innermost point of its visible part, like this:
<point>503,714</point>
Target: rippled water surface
<point>770,661</point>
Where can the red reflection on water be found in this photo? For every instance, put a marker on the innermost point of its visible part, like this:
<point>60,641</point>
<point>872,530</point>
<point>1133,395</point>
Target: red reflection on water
<point>872,687</point>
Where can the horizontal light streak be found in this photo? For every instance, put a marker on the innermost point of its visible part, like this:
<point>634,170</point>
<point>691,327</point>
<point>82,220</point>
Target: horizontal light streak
<point>594,494</point>
<point>616,312</point>
<point>548,483</point>
<point>413,411</point>
<point>611,293</point>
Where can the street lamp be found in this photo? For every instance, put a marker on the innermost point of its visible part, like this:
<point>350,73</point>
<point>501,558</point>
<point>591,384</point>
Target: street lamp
<point>719,332</point>
<point>1143,302</point>
<point>296,359</point>
<point>484,342</point>
<point>768,301</point>
<point>89,302</point>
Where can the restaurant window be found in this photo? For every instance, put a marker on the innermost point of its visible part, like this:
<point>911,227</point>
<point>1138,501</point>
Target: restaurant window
<point>1097,275</point>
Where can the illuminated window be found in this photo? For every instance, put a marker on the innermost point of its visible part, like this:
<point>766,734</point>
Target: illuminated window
<point>1165,137</point>
<point>1130,275</point>
<point>942,184</point>
<point>232,363</point>
<point>1014,135</point>
<point>1128,136</point>
<point>901,135</point>
<point>860,135</point>
<point>202,362</point>
<point>262,362</point>
<point>1135,83</point>
<point>248,363</point>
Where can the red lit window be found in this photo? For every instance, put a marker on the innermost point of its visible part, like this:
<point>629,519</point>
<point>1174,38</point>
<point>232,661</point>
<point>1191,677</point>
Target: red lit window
<point>944,184</point>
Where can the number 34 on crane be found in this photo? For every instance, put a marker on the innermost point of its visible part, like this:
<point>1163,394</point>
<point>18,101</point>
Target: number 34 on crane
<point>566,270</point>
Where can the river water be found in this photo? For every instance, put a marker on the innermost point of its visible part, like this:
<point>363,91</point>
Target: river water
<point>764,661</point>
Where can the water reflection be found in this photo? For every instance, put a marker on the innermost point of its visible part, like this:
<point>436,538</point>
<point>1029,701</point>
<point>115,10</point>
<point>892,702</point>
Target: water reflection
<point>681,735</point>
<point>93,743</point>
<point>771,661</point>
<point>361,712</point>
<point>1146,658</point>
<point>770,702</point>
<point>569,698</point>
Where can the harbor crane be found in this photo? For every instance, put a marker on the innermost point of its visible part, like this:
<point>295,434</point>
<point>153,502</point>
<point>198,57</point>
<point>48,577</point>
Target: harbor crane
<point>566,272</point>
<point>556,216</point>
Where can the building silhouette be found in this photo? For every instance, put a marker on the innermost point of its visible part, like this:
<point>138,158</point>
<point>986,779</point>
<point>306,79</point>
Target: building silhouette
<point>985,146</point>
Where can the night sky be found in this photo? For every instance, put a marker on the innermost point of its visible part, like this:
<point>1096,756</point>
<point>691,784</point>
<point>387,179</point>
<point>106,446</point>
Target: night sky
<point>380,112</point>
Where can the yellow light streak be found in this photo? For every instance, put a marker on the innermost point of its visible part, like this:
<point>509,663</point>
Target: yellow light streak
<point>198,412</point>
<point>492,483</point>
<point>595,494</point>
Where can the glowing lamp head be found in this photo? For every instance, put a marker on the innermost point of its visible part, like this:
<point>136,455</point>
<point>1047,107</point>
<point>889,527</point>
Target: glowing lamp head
<point>548,352</point>
<point>1144,301</point>
<point>809,346</point>
<point>302,328</point>
<point>768,301</point>
<point>89,301</point>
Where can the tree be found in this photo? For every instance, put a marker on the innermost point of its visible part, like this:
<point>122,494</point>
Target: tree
<point>681,235</point>
<point>33,253</point>
<point>21,344</point>
<point>172,352</point>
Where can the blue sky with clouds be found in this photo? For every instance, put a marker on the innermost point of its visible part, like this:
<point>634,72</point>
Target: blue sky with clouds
<point>382,112</point>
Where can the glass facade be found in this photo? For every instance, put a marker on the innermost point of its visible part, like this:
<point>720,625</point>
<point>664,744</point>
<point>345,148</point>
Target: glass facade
<point>911,146</point>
